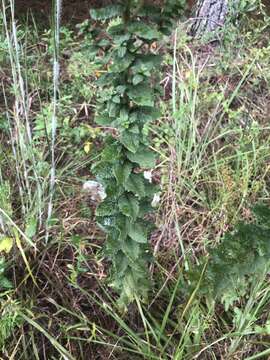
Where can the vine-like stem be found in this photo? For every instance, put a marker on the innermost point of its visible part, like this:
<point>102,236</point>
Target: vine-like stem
<point>126,102</point>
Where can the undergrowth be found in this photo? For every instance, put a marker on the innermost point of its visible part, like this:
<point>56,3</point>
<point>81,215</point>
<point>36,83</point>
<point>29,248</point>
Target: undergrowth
<point>209,294</point>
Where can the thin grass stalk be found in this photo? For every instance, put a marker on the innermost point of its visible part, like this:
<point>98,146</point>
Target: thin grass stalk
<point>56,75</point>
<point>20,132</point>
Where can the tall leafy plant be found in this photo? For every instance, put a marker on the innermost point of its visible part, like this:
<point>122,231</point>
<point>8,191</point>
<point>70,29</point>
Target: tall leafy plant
<point>242,256</point>
<point>126,104</point>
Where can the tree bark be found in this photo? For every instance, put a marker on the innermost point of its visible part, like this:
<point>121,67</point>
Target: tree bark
<point>209,16</point>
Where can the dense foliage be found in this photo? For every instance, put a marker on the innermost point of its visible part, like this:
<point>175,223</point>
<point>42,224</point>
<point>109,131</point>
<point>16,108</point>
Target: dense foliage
<point>209,130</point>
<point>242,255</point>
<point>126,104</point>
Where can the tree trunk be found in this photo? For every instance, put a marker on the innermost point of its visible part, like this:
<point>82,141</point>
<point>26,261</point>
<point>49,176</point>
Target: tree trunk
<point>209,16</point>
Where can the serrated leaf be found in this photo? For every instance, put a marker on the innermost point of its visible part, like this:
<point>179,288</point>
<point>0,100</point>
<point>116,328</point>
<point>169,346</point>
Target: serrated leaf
<point>144,31</point>
<point>107,12</point>
<point>138,233</point>
<point>106,208</point>
<point>129,206</point>
<point>111,152</point>
<point>122,172</point>
<point>147,114</point>
<point>119,34</point>
<point>103,120</point>
<point>131,249</point>
<point>121,263</point>
<point>135,184</point>
<point>143,157</point>
<point>141,95</point>
<point>146,63</point>
<point>103,170</point>
<point>106,79</point>
<point>120,64</point>
<point>6,244</point>
<point>130,141</point>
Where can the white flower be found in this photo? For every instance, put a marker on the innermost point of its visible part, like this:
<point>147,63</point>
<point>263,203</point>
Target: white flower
<point>156,200</point>
<point>95,190</point>
<point>148,175</point>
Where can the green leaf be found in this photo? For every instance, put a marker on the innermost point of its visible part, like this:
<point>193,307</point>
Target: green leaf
<point>112,151</point>
<point>5,283</point>
<point>121,263</point>
<point>122,51</point>
<point>106,208</point>
<point>135,184</point>
<point>146,63</point>
<point>137,79</point>
<point>131,249</point>
<point>129,206</point>
<point>106,79</point>
<point>119,34</point>
<point>120,64</point>
<point>122,172</point>
<point>144,158</point>
<point>130,141</point>
<point>262,214</point>
<point>138,233</point>
<point>31,227</point>
<point>141,94</point>
<point>144,31</point>
<point>103,120</point>
<point>147,114</point>
<point>107,12</point>
<point>103,170</point>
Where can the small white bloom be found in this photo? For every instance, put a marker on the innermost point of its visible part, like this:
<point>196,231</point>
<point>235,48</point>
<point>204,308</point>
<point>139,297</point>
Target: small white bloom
<point>107,222</point>
<point>95,190</point>
<point>148,175</point>
<point>156,200</point>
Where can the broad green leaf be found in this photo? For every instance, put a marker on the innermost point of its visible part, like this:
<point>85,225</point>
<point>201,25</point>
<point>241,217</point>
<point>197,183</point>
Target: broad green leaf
<point>122,51</point>
<point>144,63</point>
<point>141,94</point>
<point>111,152</point>
<point>131,249</point>
<point>138,233</point>
<point>129,287</point>
<point>144,158</point>
<point>129,206</point>
<point>135,184</point>
<point>103,170</point>
<point>122,172</point>
<point>137,79</point>
<point>106,79</point>
<point>144,31</point>
<point>121,263</point>
<point>106,208</point>
<point>146,114</point>
<point>107,12</point>
<point>119,34</point>
<point>130,141</point>
<point>121,63</point>
<point>6,244</point>
<point>103,120</point>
